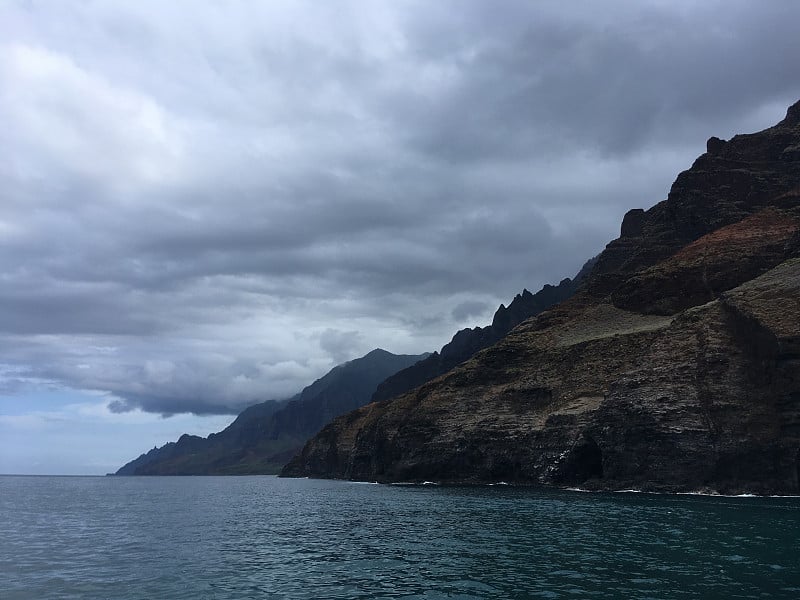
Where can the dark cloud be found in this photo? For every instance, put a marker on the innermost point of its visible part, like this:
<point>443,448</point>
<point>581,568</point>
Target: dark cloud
<point>607,82</point>
<point>469,309</point>
<point>207,206</point>
<point>340,345</point>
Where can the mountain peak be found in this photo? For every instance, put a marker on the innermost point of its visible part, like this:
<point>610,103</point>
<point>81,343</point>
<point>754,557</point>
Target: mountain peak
<point>377,352</point>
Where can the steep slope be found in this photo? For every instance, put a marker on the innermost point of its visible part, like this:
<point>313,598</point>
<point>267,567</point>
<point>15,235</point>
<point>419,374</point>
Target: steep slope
<point>467,342</point>
<point>674,368</point>
<point>263,437</point>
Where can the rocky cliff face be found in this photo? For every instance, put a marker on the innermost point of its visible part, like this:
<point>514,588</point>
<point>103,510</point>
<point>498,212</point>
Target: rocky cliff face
<point>675,367</point>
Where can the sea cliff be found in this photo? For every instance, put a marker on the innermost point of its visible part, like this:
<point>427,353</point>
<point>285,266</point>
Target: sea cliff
<point>675,367</point>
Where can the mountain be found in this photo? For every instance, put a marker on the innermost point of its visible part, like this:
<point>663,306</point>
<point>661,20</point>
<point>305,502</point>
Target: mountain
<point>234,435</point>
<point>265,436</point>
<point>467,342</point>
<point>673,368</point>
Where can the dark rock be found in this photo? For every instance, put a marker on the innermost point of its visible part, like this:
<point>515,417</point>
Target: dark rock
<point>792,114</point>
<point>632,223</point>
<point>716,262</point>
<point>752,173</point>
<point>714,145</point>
<point>613,400</point>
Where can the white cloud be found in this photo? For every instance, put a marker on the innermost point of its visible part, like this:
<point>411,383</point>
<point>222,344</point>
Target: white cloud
<point>67,117</point>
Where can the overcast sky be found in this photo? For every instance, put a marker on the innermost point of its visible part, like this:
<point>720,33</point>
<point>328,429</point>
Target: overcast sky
<point>208,204</point>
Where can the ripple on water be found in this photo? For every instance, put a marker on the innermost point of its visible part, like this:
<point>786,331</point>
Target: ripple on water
<point>245,537</point>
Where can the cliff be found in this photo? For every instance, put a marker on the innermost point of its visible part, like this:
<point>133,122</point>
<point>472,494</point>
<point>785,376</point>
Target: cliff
<point>674,368</point>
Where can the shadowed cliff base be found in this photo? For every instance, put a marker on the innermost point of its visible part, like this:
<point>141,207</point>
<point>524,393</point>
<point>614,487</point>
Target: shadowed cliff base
<point>674,368</point>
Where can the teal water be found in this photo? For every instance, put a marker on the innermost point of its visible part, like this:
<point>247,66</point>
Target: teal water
<point>263,537</point>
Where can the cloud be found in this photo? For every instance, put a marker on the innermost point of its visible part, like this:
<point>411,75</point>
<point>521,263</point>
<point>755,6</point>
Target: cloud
<point>77,433</point>
<point>340,345</point>
<point>205,207</point>
<point>471,308</point>
<point>72,120</point>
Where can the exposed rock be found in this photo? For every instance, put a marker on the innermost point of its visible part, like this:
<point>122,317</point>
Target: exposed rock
<point>792,115</point>
<point>750,175</point>
<point>714,145</point>
<point>716,262</point>
<point>674,368</point>
<point>632,223</point>
<point>608,399</point>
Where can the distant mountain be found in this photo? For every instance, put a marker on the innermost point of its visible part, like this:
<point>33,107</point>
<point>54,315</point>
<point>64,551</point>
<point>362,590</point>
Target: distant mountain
<point>192,444</point>
<point>265,436</point>
<point>467,342</point>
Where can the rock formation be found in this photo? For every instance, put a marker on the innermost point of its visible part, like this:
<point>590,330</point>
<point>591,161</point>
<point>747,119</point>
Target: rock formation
<point>676,366</point>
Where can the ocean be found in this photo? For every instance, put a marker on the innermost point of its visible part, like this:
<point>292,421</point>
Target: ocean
<point>264,537</point>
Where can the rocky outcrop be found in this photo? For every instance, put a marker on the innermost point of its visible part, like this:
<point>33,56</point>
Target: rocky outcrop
<point>632,223</point>
<point>745,175</point>
<point>714,145</point>
<point>674,368</point>
<point>717,262</point>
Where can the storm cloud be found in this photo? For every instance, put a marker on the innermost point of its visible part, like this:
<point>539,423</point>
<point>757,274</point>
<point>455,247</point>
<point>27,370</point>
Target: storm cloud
<point>205,205</point>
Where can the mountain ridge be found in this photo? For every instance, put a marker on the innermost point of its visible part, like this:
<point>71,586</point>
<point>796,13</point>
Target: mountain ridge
<point>266,435</point>
<point>466,342</point>
<point>670,369</point>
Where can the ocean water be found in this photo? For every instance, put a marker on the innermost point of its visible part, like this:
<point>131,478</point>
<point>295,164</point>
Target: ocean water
<point>263,537</point>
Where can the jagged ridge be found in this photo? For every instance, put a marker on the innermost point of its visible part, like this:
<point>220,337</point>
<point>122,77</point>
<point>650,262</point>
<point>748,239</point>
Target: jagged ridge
<point>671,369</point>
<point>467,342</point>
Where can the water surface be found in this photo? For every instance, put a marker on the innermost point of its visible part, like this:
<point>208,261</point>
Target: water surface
<point>263,537</point>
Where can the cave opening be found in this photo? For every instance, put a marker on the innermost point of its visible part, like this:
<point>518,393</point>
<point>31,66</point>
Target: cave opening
<point>585,463</point>
<point>588,460</point>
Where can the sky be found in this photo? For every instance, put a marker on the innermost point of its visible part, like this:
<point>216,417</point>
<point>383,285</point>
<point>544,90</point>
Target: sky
<point>204,205</point>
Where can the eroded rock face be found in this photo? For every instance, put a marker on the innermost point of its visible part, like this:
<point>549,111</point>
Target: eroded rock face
<point>632,223</point>
<point>707,399</point>
<point>714,145</point>
<point>748,173</point>
<point>715,263</point>
<point>677,367</point>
